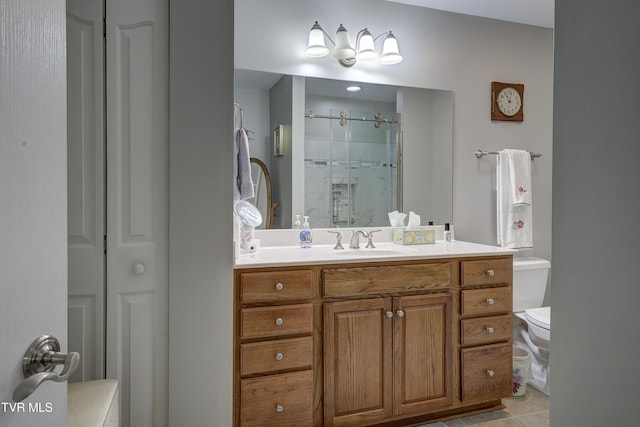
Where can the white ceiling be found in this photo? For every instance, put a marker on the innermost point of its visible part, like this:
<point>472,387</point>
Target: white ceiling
<point>532,12</point>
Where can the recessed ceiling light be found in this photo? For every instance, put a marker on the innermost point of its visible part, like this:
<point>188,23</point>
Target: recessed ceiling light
<point>354,88</point>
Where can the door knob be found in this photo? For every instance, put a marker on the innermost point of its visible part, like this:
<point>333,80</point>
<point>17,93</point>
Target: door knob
<point>38,363</point>
<point>138,268</point>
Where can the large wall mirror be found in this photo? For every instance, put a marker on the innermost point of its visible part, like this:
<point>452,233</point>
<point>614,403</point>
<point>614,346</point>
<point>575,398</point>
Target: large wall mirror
<point>349,157</point>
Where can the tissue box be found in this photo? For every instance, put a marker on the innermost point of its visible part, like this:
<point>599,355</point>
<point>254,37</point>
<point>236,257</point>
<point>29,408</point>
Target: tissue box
<point>421,236</point>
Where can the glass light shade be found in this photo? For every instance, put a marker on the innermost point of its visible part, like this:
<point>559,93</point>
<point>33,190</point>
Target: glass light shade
<point>343,49</point>
<point>366,47</point>
<point>316,46</point>
<point>390,52</point>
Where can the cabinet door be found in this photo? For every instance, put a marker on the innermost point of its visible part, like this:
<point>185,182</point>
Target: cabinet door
<point>357,362</point>
<point>423,358</point>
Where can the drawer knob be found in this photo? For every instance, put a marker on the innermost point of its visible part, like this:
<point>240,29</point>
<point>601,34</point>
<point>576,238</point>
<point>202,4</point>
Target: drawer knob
<point>279,357</point>
<point>490,301</point>
<point>279,286</point>
<point>490,373</point>
<point>389,314</point>
<point>279,409</point>
<point>279,321</point>
<point>490,330</point>
<point>400,313</point>
<point>490,272</point>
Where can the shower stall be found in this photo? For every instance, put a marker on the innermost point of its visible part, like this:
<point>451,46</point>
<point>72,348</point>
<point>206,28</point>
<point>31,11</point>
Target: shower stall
<point>351,166</point>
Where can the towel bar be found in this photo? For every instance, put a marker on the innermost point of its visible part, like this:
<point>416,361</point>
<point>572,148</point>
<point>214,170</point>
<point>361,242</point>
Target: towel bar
<point>482,153</point>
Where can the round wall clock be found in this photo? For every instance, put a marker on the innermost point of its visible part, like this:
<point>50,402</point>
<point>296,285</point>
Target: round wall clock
<point>507,101</point>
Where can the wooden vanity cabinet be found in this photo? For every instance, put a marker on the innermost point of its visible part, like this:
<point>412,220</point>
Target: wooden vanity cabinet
<point>486,329</point>
<point>385,357</point>
<point>359,344</point>
<point>273,375</point>
<point>387,354</point>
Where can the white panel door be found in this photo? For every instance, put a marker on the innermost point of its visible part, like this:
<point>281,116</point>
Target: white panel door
<point>85,163</point>
<point>33,193</point>
<point>137,207</point>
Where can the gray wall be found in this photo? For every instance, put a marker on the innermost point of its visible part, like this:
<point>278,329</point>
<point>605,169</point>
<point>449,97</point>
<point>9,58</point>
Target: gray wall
<point>427,129</point>
<point>596,200</point>
<point>280,167</point>
<point>200,253</point>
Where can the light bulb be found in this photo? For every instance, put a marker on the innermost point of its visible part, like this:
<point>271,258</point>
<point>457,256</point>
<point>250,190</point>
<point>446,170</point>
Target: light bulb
<point>343,49</point>
<point>390,52</point>
<point>316,46</point>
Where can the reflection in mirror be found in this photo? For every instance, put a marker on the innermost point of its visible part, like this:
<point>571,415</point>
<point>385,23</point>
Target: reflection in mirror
<point>330,172</point>
<point>262,192</point>
<point>351,163</point>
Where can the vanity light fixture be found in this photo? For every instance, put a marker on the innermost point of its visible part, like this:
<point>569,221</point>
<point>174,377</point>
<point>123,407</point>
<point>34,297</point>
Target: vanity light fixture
<point>344,51</point>
<point>353,88</point>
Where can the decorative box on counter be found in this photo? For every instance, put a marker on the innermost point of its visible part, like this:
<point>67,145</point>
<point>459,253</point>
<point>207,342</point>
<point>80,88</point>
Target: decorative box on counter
<point>421,236</point>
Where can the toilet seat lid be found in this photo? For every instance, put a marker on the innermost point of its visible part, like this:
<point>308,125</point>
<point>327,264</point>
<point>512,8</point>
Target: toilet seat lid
<point>539,316</point>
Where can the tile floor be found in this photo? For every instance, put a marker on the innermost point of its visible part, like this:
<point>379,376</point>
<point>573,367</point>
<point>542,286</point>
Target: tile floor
<point>531,410</point>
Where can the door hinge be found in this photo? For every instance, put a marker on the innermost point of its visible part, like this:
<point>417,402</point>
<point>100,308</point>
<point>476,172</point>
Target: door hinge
<point>105,244</point>
<point>104,27</point>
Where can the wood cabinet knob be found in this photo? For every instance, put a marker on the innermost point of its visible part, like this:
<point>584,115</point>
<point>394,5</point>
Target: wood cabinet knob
<point>490,373</point>
<point>400,313</point>
<point>389,314</point>
<point>279,321</point>
<point>279,409</point>
<point>490,272</point>
<point>490,330</point>
<point>279,286</point>
<point>490,301</point>
<point>279,356</point>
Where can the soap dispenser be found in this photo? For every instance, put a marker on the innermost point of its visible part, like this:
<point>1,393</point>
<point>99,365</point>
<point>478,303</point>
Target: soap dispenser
<point>447,232</point>
<point>305,234</point>
<point>297,224</point>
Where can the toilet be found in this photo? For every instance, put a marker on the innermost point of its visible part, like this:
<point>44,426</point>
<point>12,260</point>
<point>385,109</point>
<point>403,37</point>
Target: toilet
<point>531,321</point>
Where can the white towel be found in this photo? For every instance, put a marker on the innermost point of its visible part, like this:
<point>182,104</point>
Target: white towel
<point>514,210</point>
<point>242,183</point>
<point>519,176</point>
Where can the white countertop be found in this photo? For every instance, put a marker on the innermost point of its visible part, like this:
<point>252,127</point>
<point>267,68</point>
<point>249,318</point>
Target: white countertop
<point>277,256</point>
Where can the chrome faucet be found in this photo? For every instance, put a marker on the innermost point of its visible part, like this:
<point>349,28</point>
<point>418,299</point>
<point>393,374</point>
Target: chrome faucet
<point>370,237</point>
<point>355,239</point>
<point>338,239</point>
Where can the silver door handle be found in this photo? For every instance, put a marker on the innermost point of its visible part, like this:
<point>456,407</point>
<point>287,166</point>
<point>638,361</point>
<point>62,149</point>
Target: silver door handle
<point>38,363</point>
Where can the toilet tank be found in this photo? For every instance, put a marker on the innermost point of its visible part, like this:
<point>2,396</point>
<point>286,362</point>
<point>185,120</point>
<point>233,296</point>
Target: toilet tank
<point>529,282</point>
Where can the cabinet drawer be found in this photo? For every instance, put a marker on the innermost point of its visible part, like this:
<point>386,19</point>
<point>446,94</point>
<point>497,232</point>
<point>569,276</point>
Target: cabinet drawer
<point>277,400</point>
<point>271,286</point>
<point>485,330</point>
<point>262,357</point>
<point>273,321</point>
<point>374,280</point>
<point>486,301</point>
<point>486,372</point>
<point>487,272</point>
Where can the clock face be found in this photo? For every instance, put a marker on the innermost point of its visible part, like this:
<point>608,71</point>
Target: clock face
<point>509,101</point>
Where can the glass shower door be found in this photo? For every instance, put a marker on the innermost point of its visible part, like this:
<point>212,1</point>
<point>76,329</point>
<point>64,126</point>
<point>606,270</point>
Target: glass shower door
<point>351,169</point>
